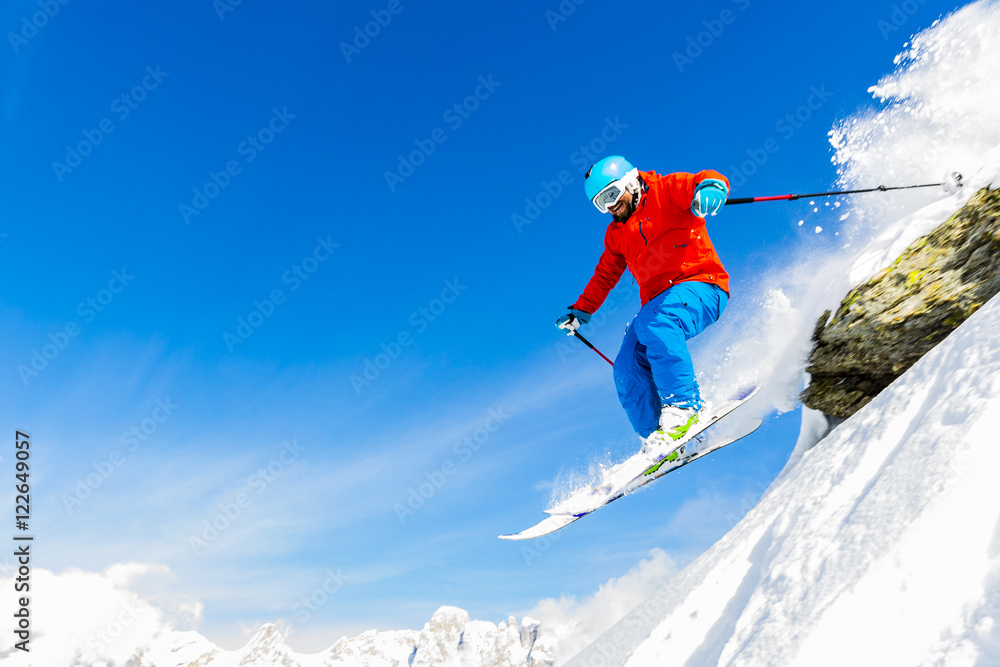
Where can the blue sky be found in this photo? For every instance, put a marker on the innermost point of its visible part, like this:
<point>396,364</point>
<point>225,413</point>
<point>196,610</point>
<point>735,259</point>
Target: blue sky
<point>255,116</point>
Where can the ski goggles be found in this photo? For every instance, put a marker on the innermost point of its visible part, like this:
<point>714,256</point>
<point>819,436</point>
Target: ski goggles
<point>614,191</point>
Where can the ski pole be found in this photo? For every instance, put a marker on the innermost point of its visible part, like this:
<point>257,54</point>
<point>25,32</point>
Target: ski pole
<point>591,346</point>
<point>956,181</point>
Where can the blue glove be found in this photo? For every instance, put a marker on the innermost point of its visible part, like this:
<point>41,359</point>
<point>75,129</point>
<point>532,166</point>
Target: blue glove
<point>709,197</point>
<point>573,321</point>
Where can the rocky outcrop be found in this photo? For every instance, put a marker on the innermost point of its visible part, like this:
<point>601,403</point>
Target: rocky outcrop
<point>886,324</point>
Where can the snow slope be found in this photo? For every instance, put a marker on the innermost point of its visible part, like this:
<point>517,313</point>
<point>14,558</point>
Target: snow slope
<point>882,547</point>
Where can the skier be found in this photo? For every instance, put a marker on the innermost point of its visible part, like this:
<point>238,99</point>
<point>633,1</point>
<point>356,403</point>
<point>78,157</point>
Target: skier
<point>659,234</point>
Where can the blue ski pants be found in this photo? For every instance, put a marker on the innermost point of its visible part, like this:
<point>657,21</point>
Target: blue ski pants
<point>654,367</point>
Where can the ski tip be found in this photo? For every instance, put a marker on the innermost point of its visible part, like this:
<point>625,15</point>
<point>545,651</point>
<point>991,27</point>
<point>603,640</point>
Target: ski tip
<point>543,527</point>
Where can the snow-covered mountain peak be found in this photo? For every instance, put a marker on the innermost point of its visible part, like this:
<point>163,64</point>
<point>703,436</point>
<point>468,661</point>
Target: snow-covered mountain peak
<point>267,647</point>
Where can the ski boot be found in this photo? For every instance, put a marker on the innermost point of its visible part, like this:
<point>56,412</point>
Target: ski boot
<point>673,432</point>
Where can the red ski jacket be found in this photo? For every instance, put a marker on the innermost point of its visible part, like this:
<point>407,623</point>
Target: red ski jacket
<point>663,243</point>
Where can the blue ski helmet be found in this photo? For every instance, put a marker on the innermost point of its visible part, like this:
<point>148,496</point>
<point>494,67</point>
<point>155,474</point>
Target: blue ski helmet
<point>604,172</point>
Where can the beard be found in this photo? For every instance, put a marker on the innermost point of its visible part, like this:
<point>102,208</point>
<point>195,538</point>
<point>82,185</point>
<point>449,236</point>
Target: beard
<point>626,212</point>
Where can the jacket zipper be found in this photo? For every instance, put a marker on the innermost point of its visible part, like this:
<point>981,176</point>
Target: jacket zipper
<point>642,207</point>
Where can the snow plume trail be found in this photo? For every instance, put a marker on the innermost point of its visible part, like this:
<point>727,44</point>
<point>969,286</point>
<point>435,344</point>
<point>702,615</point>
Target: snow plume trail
<point>938,112</point>
<point>571,481</point>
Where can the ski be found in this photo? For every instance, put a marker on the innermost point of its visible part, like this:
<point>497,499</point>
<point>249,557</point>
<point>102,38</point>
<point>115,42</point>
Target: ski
<point>554,522</point>
<point>639,470</point>
<point>627,472</point>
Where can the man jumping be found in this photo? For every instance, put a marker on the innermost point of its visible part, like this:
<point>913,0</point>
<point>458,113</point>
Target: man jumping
<point>659,234</point>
